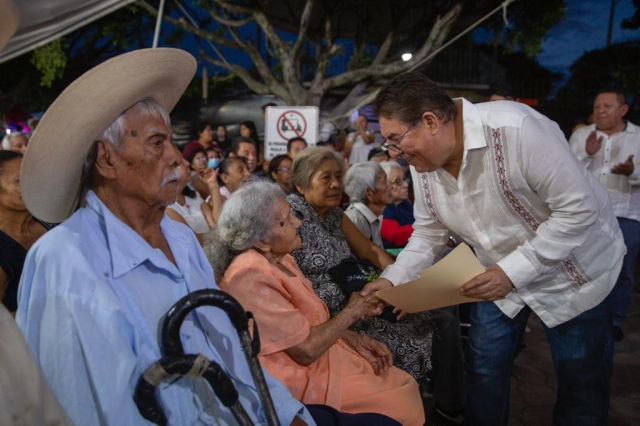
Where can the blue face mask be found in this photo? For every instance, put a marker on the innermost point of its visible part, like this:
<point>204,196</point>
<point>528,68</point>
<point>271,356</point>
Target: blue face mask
<point>213,163</point>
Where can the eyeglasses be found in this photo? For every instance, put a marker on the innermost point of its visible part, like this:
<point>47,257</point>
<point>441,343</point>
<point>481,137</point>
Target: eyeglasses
<point>399,181</point>
<point>285,168</point>
<point>393,146</point>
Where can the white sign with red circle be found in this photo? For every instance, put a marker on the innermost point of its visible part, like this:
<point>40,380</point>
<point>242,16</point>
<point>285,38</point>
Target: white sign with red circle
<point>284,123</point>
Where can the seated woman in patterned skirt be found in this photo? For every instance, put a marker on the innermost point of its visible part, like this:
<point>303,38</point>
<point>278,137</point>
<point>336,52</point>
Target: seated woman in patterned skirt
<point>328,238</point>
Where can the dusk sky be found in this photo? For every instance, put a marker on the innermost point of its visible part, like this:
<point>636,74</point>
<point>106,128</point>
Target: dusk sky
<point>583,28</point>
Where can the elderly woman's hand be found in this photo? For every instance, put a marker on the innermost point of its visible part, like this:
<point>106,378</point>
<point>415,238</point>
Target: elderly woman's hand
<point>364,306</point>
<point>377,353</point>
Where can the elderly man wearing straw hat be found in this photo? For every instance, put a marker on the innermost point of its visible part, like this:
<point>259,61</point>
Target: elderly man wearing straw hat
<point>95,288</point>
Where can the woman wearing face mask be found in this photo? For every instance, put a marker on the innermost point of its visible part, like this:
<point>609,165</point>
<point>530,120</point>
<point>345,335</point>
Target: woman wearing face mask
<point>213,158</point>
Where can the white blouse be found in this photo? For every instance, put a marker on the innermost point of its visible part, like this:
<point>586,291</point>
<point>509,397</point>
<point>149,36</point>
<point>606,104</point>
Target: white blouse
<point>192,213</point>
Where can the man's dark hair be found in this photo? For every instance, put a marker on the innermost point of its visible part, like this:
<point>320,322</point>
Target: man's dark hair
<point>296,139</point>
<point>6,156</point>
<point>622,97</point>
<point>235,145</point>
<point>502,88</point>
<point>268,104</point>
<point>203,125</point>
<point>409,95</point>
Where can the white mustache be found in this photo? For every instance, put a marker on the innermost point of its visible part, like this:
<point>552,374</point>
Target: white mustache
<point>173,176</point>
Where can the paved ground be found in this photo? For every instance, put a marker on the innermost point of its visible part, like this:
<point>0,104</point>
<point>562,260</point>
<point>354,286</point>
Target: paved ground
<point>533,383</point>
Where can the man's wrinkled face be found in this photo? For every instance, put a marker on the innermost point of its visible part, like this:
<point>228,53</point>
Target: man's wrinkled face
<point>147,164</point>
<point>248,151</point>
<point>422,145</point>
<point>608,111</point>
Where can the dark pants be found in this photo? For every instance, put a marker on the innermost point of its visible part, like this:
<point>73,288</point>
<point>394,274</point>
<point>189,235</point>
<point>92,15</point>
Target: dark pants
<point>621,293</point>
<point>581,350</point>
<point>325,415</point>
<point>447,375</point>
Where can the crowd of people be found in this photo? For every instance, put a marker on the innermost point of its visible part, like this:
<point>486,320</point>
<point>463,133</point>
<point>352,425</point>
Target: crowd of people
<point>96,249</point>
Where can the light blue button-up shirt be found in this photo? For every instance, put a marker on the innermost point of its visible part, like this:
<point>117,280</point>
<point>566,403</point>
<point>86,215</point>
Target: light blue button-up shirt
<point>92,297</point>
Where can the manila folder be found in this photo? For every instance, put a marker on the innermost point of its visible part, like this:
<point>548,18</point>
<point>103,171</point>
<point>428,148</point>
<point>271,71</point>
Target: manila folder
<point>439,285</point>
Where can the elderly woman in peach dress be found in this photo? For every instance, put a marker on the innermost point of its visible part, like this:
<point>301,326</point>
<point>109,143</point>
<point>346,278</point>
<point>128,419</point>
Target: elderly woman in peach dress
<point>317,358</point>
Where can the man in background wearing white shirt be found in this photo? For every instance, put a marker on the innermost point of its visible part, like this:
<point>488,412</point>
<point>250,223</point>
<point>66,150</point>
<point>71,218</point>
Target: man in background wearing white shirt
<point>502,177</point>
<point>360,142</point>
<point>610,149</point>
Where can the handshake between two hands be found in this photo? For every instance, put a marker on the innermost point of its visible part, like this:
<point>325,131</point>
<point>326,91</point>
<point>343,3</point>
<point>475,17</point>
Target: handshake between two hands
<point>491,285</point>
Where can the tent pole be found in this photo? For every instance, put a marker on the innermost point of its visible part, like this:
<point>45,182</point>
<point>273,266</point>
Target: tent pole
<point>156,34</point>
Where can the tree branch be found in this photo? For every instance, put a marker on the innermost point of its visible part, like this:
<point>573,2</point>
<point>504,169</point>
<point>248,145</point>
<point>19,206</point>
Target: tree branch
<point>383,51</point>
<point>357,53</point>
<point>234,8</point>
<point>181,23</point>
<point>437,35</point>
<point>253,84</point>
<point>254,54</point>
<point>353,98</point>
<point>289,70</point>
<point>228,22</point>
<point>323,60</point>
<point>304,25</point>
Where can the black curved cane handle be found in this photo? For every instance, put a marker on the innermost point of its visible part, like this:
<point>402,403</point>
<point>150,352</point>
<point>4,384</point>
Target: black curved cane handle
<point>172,345</point>
<point>171,342</point>
<point>179,366</point>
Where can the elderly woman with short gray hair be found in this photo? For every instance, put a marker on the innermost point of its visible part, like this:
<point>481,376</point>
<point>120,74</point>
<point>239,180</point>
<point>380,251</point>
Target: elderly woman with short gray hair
<point>317,358</point>
<point>330,241</point>
<point>368,190</point>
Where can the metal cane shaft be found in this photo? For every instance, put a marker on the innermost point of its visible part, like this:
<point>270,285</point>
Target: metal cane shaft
<point>172,344</point>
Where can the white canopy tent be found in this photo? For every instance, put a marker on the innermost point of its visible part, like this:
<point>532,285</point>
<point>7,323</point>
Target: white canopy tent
<point>42,21</point>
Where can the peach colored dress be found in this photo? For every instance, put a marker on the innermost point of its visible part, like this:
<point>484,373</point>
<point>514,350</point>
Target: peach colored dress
<point>285,309</point>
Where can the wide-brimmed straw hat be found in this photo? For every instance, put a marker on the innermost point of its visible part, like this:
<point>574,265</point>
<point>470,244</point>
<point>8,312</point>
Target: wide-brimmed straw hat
<point>51,173</point>
<point>8,21</point>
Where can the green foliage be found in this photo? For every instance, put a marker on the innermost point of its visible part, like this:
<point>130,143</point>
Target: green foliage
<point>51,61</point>
<point>527,77</point>
<point>615,66</point>
<point>529,22</point>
